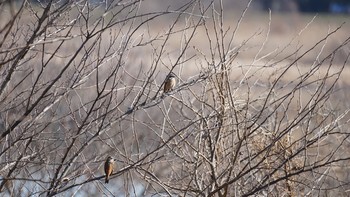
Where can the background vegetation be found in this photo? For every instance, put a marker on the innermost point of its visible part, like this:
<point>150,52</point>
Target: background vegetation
<point>338,6</point>
<point>260,107</point>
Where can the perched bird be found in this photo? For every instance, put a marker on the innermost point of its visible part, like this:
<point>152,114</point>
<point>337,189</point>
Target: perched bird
<point>169,83</point>
<point>109,164</point>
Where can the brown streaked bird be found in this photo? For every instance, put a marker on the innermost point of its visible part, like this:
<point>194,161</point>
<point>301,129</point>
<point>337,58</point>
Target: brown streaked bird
<point>170,83</point>
<point>109,165</point>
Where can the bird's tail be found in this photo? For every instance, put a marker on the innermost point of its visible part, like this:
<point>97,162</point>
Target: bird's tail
<point>107,179</point>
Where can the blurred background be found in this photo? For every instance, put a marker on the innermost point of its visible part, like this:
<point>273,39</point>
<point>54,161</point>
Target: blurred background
<point>331,6</point>
<point>307,6</point>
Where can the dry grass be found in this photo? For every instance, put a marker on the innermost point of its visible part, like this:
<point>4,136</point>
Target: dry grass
<point>275,41</point>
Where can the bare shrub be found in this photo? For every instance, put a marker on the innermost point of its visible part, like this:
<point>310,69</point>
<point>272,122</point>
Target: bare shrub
<point>82,80</point>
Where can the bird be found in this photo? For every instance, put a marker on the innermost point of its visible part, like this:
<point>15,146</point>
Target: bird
<point>109,164</point>
<point>169,83</point>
